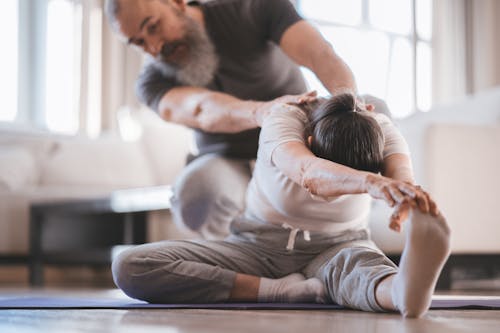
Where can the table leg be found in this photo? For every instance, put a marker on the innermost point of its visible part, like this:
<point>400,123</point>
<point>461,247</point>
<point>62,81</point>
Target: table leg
<point>134,228</point>
<point>128,228</point>
<point>36,255</point>
<point>140,227</point>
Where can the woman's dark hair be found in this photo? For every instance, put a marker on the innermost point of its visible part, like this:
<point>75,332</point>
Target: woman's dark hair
<point>343,133</point>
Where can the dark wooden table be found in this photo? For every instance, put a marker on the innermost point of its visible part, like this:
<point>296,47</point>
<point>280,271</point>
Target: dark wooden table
<point>84,231</point>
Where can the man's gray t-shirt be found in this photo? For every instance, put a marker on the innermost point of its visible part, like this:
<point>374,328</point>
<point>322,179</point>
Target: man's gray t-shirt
<point>246,36</point>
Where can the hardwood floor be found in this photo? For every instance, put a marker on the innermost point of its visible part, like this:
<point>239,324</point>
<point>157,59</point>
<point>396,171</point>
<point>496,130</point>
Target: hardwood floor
<point>235,321</point>
<point>184,321</point>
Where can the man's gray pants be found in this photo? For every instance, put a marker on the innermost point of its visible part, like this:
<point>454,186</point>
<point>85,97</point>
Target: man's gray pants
<point>349,264</point>
<point>209,194</point>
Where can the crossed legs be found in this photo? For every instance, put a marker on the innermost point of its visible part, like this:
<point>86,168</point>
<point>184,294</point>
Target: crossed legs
<point>354,274</point>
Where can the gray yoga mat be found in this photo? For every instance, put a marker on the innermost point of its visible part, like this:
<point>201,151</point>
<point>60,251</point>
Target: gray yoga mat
<point>25,301</point>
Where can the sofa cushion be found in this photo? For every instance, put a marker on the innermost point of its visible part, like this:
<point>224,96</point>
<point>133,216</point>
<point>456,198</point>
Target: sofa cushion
<point>103,162</point>
<point>18,168</point>
<point>166,145</point>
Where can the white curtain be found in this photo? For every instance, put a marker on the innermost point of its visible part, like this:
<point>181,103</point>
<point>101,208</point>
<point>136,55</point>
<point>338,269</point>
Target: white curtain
<point>466,52</point>
<point>108,73</point>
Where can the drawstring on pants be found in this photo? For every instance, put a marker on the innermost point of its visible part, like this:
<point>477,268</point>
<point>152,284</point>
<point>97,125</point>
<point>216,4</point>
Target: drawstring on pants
<point>293,235</point>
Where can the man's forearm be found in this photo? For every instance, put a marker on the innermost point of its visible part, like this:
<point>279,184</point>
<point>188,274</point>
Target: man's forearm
<point>209,111</point>
<point>335,75</point>
<point>319,56</point>
<point>226,114</point>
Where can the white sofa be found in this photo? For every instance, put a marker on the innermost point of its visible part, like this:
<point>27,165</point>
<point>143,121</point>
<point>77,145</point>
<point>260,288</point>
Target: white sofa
<point>456,155</point>
<point>40,167</point>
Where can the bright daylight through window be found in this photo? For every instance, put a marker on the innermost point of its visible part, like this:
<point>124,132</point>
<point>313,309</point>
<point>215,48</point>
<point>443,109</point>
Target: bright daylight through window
<point>387,44</point>
<point>8,59</point>
<point>62,75</point>
<point>389,54</point>
<point>40,66</point>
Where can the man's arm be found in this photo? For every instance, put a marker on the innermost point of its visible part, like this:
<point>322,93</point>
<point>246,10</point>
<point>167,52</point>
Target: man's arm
<point>213,111</point>
<point>305,45</point>
<point>208,110</point>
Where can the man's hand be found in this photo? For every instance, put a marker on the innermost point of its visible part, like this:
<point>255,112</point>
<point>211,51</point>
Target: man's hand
<point>422,201</point>
<point>266,108</point>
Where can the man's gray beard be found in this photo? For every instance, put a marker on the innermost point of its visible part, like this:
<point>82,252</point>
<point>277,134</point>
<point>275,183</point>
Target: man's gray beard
<point>202,62</point>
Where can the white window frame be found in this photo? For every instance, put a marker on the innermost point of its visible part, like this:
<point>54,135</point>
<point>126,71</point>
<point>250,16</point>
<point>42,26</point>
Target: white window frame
<point>365,25</point>
<point>31,112</point>
<point>31,72</point>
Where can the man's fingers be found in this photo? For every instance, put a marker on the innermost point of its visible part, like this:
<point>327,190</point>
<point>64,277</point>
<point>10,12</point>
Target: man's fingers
<point>310,96</point>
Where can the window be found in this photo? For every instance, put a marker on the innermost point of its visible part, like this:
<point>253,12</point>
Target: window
<point>386,43</point>
<point>9,19</point>
<point>62,67</point>
<point>41,68</point>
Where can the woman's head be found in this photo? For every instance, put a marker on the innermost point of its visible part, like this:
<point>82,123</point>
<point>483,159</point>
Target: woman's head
<point>343,132</point>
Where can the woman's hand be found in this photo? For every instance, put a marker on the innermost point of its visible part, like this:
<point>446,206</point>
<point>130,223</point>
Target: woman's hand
<point>422,201</point>
<point>393,192</point>
<point>402,196</point>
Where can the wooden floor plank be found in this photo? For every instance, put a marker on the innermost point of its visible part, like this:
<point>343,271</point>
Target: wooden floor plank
<point>235,321</point>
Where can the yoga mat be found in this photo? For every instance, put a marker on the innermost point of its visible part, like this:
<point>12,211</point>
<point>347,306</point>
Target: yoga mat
<point>80,302</point>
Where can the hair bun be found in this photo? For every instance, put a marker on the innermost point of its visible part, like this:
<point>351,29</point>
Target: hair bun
<point>340,104</point>
<point>346,102</point>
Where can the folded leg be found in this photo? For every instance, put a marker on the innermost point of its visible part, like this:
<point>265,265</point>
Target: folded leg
<point>351,272</point>
<point>186,271</point>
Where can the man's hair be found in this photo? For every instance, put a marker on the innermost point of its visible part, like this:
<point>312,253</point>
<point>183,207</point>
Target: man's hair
<point>344,133</point>
<point>111,9</point>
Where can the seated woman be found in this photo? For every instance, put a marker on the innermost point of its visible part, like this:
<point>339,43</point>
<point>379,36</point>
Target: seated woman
<point>303,236</point>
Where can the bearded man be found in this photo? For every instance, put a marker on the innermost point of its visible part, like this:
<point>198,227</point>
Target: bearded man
<point>218,67</point>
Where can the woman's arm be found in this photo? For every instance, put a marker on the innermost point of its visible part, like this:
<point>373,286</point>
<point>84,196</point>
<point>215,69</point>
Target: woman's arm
<point>398,166</point>
<point>325,178</point>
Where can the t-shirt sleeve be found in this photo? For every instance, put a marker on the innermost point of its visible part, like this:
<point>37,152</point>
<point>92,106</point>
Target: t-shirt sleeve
<point>394,143</point>
<point>276,16</point>
<point>286,123</point>
<point>152,85</point>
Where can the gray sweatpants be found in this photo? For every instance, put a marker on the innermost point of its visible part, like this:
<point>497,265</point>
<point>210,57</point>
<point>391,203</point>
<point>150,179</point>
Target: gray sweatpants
<point>209,193</point>
<point>349,264</point>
